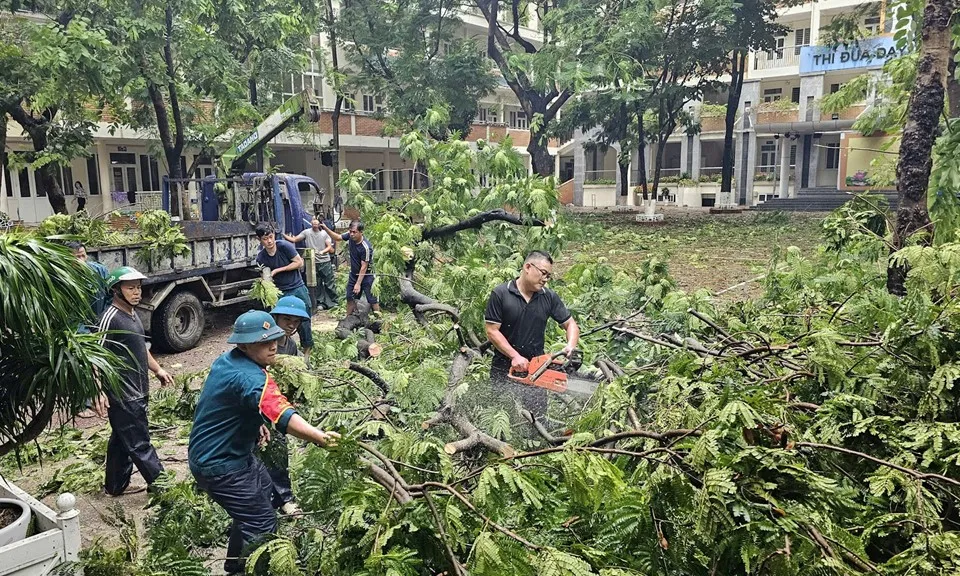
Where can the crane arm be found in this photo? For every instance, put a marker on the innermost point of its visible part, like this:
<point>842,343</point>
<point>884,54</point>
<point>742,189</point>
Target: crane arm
<point>235,159</point>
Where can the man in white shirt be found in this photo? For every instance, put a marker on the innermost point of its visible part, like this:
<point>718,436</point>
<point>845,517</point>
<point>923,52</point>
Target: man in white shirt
<point>316,238</point>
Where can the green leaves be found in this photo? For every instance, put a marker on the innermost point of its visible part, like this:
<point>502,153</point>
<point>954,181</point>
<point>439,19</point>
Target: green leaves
<point>553,562</point>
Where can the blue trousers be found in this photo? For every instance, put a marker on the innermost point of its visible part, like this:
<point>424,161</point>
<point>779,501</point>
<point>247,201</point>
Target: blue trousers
<point>246,495</point>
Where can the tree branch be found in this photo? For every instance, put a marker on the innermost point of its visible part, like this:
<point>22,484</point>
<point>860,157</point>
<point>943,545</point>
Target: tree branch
<point>910,472</point>
<point>476,222</point>
<point>371,375</point>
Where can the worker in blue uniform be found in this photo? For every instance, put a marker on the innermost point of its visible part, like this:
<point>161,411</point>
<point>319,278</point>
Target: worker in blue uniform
<point>239,404</point>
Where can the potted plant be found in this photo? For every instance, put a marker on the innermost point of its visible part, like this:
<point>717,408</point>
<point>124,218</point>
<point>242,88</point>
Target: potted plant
<point>14,521</point>
<point>44,370</point>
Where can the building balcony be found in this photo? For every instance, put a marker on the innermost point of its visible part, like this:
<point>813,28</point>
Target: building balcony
<point>776,112</point>
<point>785,57</point>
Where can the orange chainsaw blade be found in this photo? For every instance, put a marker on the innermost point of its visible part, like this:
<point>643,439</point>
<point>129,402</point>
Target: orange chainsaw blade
<point>551,379</point>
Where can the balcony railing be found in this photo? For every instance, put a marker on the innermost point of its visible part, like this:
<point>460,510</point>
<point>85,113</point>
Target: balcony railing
<point>599,176</point>
<point>779,58</point>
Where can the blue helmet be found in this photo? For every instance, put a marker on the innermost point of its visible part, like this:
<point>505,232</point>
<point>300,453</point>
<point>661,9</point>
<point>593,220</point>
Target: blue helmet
<point>291,306</point>
<point>255,326</point>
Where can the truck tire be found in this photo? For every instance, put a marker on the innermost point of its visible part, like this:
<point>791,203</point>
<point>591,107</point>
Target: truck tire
<point>178,323</point>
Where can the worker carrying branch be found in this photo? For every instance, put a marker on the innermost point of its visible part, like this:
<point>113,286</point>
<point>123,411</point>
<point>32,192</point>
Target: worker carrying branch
<point>516,319</point>
<point>238,405</point>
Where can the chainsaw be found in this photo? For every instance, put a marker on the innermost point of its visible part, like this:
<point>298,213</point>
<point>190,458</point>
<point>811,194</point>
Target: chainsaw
<point>549,372</point>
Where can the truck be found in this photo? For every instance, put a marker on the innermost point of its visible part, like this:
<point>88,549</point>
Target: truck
<point>220,268</point>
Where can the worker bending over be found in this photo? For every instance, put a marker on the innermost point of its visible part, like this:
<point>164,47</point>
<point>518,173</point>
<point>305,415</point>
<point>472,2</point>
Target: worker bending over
<point>239,396</point>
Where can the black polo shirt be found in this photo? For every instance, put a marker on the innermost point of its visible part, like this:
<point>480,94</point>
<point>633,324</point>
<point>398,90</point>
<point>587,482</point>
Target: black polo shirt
<point>523,323</point>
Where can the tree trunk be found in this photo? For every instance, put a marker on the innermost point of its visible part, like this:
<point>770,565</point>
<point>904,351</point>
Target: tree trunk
<point>953,87</point>
<point>328,201</point>
<point>642,154</point>
<point>3,156</point>
<point>540,157</point>
<point>46,175</point>
<point>624,175</point>
<point>254,100</point>
<point>923,119</point>
<point>738,63</point>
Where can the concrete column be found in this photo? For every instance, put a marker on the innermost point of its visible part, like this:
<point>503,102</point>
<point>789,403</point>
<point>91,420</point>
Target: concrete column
<point>106,178</point>
<point>388,174</point>
<point>68,521</point>
<point>696,151</point>
<point>746,145</point>
<point>811,91</point>
<point>815,25</point>
<point>685,154</point>
<point>579,168</point>
<point>784,168</point>
<point>3,192</point>
<point>814,161</point>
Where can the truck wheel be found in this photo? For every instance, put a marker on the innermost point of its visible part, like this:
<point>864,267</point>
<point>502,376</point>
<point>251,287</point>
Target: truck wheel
<point>178,323</point>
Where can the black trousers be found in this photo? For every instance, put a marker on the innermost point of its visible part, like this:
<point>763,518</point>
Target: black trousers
<point>129,446</point>
<point>246,495</point>
<point>532,398</point>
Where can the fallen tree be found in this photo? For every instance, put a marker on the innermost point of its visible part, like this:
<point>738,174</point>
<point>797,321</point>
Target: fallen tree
<point>813,430</point>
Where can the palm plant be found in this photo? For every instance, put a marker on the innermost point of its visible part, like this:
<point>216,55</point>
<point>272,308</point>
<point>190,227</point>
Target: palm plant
<point>46,367</point>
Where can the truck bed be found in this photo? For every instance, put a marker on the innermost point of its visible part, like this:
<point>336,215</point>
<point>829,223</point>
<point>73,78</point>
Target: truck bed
<point>214,246</point>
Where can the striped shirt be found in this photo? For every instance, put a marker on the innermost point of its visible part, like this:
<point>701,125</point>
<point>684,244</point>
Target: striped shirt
<point>126,339</point>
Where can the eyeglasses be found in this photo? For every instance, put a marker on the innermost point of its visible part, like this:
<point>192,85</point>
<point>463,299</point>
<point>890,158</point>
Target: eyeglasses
<point>546,275</point>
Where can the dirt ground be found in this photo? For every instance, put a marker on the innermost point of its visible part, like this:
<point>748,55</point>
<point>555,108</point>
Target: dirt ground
<point>725,254</point>
<point>95,508</point>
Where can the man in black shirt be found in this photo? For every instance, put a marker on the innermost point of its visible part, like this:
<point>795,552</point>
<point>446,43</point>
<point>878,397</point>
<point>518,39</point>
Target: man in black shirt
<point>122,333</point>
<point>516,319</point>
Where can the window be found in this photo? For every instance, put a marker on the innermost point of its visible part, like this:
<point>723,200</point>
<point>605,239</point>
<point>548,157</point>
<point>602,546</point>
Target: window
<point>801,38</point>
<point>396,180</point>
<point>65,180</point>
<point>872,24</point>
<point>149,173</point>
<point>308,80</point>
<point>349,103</point>
<point>367,103</point>
<point>123,158</point>
<point>376,183</point>
<point>777,54</point>
<point>795,94</point>
<point>768,156</point>
<point>772,94</point>
<point>488,115</point>
<point>518,120</point>
<point>793,155</point>
<point>833,156</point>
<point>93,175</point>
<point>23,179</point>
<point>834,88</point>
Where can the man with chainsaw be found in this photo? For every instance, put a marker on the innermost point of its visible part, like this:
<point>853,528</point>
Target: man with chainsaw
<point>238,407</point>
<point>122,333</point>
<point>516,319</point>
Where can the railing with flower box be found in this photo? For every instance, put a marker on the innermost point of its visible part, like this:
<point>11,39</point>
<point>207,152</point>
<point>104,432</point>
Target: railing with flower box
<point>777,111</point>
